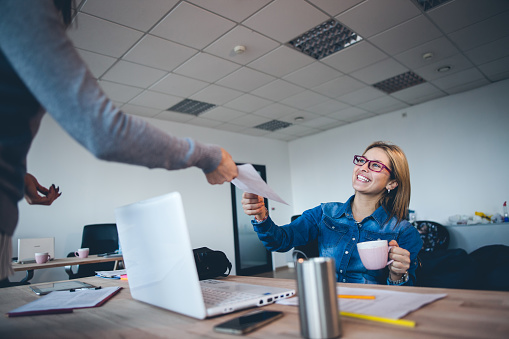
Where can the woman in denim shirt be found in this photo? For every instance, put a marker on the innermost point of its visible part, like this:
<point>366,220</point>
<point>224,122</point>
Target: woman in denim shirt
<point>377,210</point>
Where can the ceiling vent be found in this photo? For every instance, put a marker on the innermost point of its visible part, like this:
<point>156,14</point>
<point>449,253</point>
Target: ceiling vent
<point>426,5</point>
<point>399,82</point>
<point>193,107</point>
<point>325,39</point>
<point>273,125</point>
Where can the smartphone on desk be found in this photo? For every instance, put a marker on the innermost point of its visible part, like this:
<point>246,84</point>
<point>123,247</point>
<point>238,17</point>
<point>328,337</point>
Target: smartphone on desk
<point>248,322</point>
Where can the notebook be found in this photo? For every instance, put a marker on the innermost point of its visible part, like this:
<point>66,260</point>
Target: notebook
<point>161,269</point>
<point>29,246</point>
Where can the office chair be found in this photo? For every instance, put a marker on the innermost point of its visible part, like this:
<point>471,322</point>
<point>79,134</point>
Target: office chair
<point>434,236</point>
<point>99,238</point>
<point>310,249</point>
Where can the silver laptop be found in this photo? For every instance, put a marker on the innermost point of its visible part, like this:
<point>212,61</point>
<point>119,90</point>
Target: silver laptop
<point>27,247</point>
<point>161,269</point>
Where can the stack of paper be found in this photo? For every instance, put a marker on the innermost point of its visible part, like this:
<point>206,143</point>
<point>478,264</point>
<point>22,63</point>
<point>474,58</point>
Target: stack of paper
<point>117,274</point>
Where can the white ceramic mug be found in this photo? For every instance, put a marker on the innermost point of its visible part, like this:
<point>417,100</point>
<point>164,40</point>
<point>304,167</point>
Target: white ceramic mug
<point>374,254</point>
<point>82,253</point>
<point>42,257</point>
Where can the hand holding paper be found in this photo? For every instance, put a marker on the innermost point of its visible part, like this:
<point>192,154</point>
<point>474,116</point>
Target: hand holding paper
<point>250,181</point>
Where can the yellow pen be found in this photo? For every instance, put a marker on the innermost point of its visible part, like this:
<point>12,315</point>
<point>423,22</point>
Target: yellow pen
<point>347,296</point>
<point>399,322</point>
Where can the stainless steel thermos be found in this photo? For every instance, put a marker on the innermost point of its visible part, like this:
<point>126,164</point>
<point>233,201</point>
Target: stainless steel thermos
<point>318,301</point>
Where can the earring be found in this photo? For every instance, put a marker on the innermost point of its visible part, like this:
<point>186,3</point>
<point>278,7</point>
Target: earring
<point>388,190</point>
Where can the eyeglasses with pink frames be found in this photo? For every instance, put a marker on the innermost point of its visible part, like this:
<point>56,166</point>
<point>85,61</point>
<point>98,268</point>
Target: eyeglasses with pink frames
<point>375,166</point>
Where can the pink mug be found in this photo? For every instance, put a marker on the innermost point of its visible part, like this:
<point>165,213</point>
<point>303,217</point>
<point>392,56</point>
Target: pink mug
<point>374,254</point>
<point>42,257</point>
<point>82,253</point>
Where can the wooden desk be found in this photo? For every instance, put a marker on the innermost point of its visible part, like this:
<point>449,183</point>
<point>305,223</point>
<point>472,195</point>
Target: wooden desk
<point>462,314</point>
<point>92,259</point>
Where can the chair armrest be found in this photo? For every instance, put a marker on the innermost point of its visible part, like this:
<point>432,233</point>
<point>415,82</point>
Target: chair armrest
<point>68,269</point>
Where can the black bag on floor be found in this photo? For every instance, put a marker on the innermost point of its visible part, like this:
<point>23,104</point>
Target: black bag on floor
<point>211,264</point>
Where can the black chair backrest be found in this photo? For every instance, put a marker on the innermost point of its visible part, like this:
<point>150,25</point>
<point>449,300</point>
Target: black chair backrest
<point>434,235</point>
<point>310,249</point>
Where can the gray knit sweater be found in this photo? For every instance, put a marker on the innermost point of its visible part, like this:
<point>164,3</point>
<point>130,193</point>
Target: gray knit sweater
<point>41,71</point>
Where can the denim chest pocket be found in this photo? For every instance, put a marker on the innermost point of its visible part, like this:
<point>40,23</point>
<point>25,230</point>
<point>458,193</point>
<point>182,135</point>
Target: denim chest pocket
<point>331,233</point>
<point>373,235</point>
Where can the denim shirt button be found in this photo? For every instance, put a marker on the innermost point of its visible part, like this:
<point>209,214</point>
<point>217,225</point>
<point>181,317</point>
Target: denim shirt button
<point>353,239</point>
<point>346,252</point>
<point>344,280</point>
<point>340,271</point>
<point>333,227</point>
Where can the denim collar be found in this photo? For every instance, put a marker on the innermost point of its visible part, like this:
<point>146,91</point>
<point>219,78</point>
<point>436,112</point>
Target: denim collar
<point>379,215</point>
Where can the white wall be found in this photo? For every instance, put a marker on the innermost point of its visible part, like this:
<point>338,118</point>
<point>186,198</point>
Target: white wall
<point>457,148</point>
<point>92,189</point>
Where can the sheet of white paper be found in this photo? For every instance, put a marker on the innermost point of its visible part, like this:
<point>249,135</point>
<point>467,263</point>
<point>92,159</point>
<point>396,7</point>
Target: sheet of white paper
<point>388,304</point>
<point>250,181</point>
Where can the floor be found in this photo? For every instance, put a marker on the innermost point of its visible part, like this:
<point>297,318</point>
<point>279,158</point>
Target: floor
<point>280,273</point>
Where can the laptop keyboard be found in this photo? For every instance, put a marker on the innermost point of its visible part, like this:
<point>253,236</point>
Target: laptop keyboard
<point>214,297</point>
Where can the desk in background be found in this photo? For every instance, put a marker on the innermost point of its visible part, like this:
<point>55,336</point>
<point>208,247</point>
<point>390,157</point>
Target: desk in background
<point>462,314</point>
<point>72,261</point>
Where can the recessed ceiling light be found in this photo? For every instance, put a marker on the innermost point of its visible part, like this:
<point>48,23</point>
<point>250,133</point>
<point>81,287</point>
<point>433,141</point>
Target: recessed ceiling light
<point>325,39</point>
<point>239,49</point>
<point>299,119</point>
<point>273,125</point>
<point>444,69</point>
<point>192,107</point>
<point>399,82</point>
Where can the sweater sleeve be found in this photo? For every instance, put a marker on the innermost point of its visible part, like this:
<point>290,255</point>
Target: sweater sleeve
<point>34,41</point>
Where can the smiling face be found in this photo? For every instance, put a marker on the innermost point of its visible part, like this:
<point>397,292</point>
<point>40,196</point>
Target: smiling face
<point>369,182</point>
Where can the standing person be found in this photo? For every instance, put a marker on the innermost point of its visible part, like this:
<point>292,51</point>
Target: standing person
<point>40,71</point>
<point>377,210</point>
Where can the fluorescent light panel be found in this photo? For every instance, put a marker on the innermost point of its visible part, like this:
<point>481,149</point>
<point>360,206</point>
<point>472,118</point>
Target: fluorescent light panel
<point>193,107</point>
<point>325,39</point>
<point>273,125</point>
<point>399,82</point>
<point>426,5</point>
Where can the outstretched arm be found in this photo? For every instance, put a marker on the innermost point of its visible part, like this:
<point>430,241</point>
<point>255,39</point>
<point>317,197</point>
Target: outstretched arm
<point>33,188</point>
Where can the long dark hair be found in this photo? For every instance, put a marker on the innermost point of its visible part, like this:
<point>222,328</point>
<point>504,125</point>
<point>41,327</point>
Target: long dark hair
<point>65,7</point>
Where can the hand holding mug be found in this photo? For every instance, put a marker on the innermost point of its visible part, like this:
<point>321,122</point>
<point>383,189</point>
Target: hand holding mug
<point>374,254</point>
<point>401,262</point>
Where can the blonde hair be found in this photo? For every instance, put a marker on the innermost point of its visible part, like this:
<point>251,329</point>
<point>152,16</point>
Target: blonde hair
<point>397,201</point>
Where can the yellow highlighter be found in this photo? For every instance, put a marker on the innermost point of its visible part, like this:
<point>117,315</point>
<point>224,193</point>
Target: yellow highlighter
<point>399,322</point>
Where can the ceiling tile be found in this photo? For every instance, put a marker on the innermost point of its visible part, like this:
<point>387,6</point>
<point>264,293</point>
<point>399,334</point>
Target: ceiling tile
<point>374,16</point>
<point>140,110</point>
<point>483,32</point>
<point>305,99</point>
<point>324,123</point>
<point>419,93</point>
<point>174,116</point>
<point>496,70</point>
<point>277,90</point>
<point>351,114</point>
<point>312,75</point>
<point>206,67</point>
<point>406,36</point>
<point>248,103</point>
<point>328,107</point>
<point>118,92</point>
<point>281,61</point>
<point>155,100</point>
<point>380,71</point>
<point>441,49</point>
<point>222,114</point>
<point>458,78</point>
<point>97,63</point>
<point>178,85</point>
<point>256,132</point>
<point>467,86</point>
<point>306,117</point>
<point>299,130</point>
<point>232,9</point>
<point>362,95</point>
<point>340,86</point>
<point>383,105</point>
<point>471,11</point>
<point>132,13</point>
<point>355,57</point>
<point>334,7</point>
<point>129,73</point>
<point>192,26</point>
<point>284,20</point>
<point>245,79</point>
<point>489,52</point>
<point>458,63</point>
<point>274,111</point>
<point>159,53</point>
<point>231,128</point>
<point>199,121</point>
<point>256,45</point>
<point>249,120</point>
<point>96,35</point>
<point>216,95</point>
